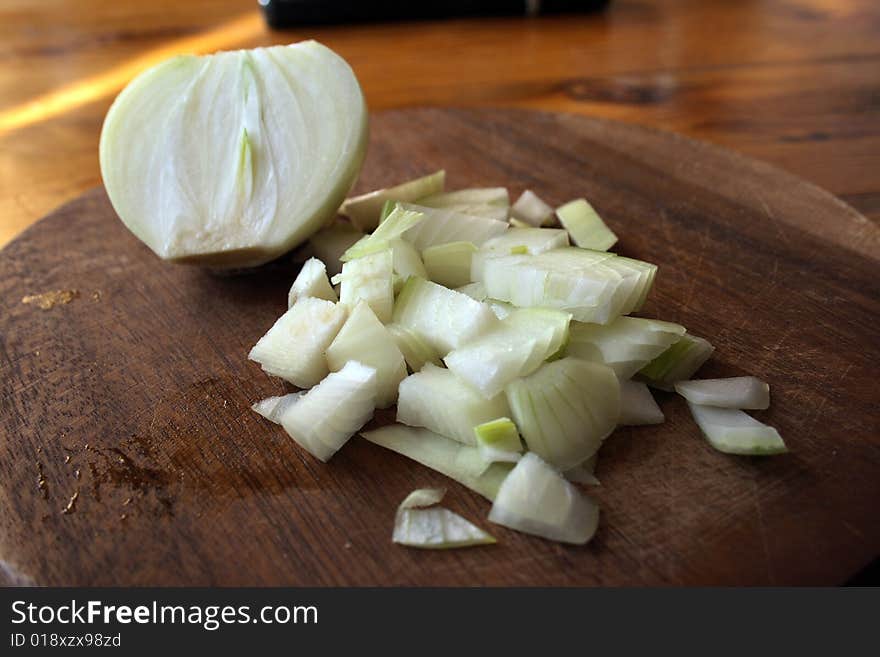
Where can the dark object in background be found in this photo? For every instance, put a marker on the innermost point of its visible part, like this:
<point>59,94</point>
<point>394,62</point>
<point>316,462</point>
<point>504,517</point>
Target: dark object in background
<point>287,13</point>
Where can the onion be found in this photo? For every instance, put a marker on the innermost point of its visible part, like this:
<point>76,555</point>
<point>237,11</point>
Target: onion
<point>434,528</point>
<point>232,159</point>
<point>585,226</point>
<point>536,499</point>
<point>735,392</point>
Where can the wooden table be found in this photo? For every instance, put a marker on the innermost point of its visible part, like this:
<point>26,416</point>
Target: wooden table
<point>795,84</point>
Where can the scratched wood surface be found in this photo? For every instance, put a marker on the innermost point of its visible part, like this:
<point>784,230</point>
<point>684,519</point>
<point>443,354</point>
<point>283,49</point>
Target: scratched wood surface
<point>792,82</point>
<point>129,454</point>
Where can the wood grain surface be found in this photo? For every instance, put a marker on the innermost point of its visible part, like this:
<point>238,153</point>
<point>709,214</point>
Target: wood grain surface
<point>792,82</point>
<point>129,454</point>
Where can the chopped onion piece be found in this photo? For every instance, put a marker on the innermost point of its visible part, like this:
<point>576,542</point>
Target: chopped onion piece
<point>234,158</point>
<point>499,440</point>
<point>364,210</point>
<point>517,241</point>
<point>536,499</point>
<point>735,432</point>
<point>329,243</point>
<point>735,392</point>
<point>407,261</point>
<point>585,226</point>
<point>581,474</point>
<point>437,529</point>
<point>437,399</point>
<point>363,338</point>
<point>490,203</point>
<point>496,196</point>
<point>446,319</point>
<point>371,279</point>
<point>584,473</point>
<point>500,308</point>
<point>434,528</point>
<point>637,405</point>
<point>460,462</point>
<point>394,225</point>
<point>415,349</point>
<point>494,360</point>
<point>271,408</point>
<point>324,418</point>
<point>524,339</point>
<point>294,347</point>
<point>449,264</point>
<point>311,281</point>
<point>678,363</point>
<point>529,208</point>
<point>565,409</point>
<point>442,225</point>
<point>474,291</point>
<point>484,211</point>
<point>626,344</point>
<point>593,286</point>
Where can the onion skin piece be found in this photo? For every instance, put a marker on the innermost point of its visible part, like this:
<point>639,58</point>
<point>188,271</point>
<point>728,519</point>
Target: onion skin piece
<point>205,160</point>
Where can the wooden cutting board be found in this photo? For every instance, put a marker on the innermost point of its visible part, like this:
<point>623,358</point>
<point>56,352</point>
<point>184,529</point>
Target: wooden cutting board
<point>129,454</point>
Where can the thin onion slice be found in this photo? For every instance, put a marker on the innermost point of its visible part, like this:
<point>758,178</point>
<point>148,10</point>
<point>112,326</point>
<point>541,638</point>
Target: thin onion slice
<point>434,528</point>
<point>272,408</point>
<point>460,462</point>
<point>734,392</point>
<point>735,432</point>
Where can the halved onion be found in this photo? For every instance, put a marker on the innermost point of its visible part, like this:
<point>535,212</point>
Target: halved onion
<point>232,159</point>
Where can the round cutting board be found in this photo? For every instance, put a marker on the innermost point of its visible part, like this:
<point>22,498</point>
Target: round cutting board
<point>129,454</point>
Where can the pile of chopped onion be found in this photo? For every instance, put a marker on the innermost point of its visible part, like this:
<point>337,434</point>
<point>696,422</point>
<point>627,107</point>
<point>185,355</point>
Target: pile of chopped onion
<point>504,336</point>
